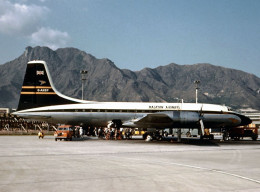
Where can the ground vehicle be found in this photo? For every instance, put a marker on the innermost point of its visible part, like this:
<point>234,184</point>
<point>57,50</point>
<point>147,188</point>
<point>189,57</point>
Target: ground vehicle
<point>64,132</point>
<point>238,132</point>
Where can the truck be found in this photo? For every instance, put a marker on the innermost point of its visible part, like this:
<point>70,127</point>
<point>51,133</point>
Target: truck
<point>240,132</point>
<point>64,132</point>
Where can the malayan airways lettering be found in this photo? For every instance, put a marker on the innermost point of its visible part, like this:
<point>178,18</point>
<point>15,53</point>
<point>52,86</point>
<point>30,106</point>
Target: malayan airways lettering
<point>42,90</point>
<point>163,107</point>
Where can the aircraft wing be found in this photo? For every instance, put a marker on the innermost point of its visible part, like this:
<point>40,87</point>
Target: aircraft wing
<point>153,120</point>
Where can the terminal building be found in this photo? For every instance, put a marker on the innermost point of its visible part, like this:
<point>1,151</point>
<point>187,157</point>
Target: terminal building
<point>4,111</point>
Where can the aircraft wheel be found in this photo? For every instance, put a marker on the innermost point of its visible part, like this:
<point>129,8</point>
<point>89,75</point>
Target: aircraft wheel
<point>159,138</point>
<point>236,138</point>
<point>225,136</point>
<point>254,138</point>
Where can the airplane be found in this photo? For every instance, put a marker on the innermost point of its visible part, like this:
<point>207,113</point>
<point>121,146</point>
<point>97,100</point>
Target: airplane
<point>39,100</point>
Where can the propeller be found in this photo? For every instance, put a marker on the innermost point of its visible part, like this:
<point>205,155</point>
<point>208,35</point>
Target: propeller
<point>202,127</point>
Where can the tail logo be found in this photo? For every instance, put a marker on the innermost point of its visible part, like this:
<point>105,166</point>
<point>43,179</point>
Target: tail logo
<point>42,82</point>
<point>39,72</point>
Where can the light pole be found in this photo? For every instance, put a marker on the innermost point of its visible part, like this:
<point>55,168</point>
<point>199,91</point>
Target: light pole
<point>83,78</point>
<point>197,82</point>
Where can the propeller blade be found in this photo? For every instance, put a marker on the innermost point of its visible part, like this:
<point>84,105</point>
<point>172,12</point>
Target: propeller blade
<point>200,112</point>
<point>202,127</point>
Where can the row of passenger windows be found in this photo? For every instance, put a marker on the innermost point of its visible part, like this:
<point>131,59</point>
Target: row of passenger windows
<point>110,111</point>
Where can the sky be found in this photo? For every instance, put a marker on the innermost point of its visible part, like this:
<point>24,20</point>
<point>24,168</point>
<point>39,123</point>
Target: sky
<point>135,34</point>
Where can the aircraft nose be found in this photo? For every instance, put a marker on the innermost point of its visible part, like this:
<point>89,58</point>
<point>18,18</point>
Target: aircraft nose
<point>235,120</point>
<point>245,120</point>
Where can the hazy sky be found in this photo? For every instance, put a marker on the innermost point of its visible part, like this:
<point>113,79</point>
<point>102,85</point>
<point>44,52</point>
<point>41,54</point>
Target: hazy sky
<point>135,34</point>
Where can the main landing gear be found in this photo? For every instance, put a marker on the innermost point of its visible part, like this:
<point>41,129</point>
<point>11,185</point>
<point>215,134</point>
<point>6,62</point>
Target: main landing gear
<point>154,135</point>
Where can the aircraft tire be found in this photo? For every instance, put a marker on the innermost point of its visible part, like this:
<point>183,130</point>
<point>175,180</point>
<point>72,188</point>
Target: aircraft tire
<point>236,138</point>
<point>159,138</point>
<point>254,137</point>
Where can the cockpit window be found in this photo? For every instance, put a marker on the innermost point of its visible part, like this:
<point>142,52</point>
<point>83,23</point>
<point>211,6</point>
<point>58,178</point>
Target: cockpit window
<point>230,109</point>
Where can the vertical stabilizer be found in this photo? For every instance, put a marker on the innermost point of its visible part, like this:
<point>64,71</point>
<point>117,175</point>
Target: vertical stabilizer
<point>38,89</point>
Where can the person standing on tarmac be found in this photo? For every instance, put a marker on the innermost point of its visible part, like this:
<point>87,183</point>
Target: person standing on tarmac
<point>77,132</point>
<point>112,133</point>
<point>81,132</point>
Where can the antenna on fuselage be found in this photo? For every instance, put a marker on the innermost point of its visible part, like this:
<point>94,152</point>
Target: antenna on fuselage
<point>197,82</point>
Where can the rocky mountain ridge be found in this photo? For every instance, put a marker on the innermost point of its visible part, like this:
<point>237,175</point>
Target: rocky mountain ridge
<point>106,82</point>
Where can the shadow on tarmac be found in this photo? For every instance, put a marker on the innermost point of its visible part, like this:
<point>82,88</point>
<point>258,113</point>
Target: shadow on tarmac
<point>215,142</point>
<point>173,141</point>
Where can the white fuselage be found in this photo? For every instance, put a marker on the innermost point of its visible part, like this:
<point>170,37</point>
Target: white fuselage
<point>101,113</point>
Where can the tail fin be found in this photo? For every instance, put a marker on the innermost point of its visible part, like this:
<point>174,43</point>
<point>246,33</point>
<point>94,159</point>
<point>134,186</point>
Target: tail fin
<point>38,89</point>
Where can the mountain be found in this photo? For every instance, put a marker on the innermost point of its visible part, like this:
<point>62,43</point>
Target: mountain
<point>106,82</point>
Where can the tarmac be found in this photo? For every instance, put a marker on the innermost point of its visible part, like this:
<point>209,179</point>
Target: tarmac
<point>31,164</point>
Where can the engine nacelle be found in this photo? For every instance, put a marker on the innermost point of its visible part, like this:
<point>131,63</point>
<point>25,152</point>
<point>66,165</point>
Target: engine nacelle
<point>184,118</point>
<point>189,119</point>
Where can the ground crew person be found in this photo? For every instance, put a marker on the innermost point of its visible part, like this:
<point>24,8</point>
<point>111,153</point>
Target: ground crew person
<point>81,132</point>
<point>40,134</point>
